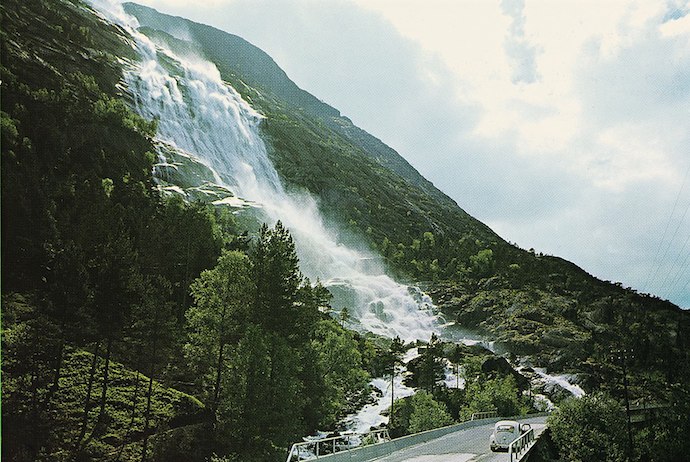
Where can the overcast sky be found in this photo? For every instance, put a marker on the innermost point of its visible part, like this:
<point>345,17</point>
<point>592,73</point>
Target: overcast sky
<point>563,125</point>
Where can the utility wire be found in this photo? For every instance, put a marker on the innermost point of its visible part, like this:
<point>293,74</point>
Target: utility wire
<point>675,233</point>
<point>685,286</point>
<point>672,281</point>
<point>657,260</point>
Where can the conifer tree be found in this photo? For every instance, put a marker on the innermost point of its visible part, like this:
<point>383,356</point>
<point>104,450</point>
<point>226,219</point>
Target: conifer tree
<point>278,280</point>
<point>222,297</point>
<point>430,369</point>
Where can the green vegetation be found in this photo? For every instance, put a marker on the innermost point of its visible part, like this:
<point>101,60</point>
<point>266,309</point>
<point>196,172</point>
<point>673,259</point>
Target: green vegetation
<point>262,351</point>
<point>140,326</point>
<point>501,394</point>
<point>428,370</point>
<point>595,427</point>
<point>486,387</point>
<point>53,431</point>
<point>420,412</point>
<point>341,361</point>
<point>590,428</point>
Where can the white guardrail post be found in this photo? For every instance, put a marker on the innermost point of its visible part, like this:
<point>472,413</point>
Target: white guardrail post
<point>312,449</point>
<point>520,444</point>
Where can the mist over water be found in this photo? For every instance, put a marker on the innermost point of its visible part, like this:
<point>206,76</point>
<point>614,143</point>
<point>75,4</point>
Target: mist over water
<point>202,115</point>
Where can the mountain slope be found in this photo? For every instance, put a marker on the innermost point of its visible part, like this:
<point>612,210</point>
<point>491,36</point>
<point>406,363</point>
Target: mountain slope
<point>81,373</point>
<point>537,305</point>
<point>311,133</point>
<point>235,57</point>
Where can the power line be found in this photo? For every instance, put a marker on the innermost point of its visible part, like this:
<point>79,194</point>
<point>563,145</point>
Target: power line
<point>675,279</point>
<point>685,286</point>
<point>659,261</point>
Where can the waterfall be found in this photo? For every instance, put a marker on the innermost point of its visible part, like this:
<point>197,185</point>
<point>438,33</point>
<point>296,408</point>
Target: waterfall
<point>206,118</point>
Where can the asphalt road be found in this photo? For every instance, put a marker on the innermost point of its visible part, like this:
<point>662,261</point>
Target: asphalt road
<point>465,445</point>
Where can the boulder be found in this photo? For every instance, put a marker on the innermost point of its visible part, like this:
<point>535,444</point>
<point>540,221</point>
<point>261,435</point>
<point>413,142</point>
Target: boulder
<point>498,366</point>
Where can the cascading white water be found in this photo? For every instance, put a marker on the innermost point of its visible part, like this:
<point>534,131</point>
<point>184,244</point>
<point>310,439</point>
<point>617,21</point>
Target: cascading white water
<point>199,113</point>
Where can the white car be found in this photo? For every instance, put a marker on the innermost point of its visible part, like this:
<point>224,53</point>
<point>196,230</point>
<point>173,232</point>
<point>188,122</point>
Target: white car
<point>505,432</point>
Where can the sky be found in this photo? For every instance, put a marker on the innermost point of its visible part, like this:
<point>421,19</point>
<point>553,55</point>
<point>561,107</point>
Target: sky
<point>563,125</point>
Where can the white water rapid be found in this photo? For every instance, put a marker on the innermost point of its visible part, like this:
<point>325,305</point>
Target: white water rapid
<point>563,380</point>
<point>206,118</point>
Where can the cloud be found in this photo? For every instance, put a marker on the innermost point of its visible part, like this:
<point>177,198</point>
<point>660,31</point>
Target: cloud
<point>676,10</point>
<point>521,52</point>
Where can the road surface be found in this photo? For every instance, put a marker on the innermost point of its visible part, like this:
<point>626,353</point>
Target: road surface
<point>464,445</point>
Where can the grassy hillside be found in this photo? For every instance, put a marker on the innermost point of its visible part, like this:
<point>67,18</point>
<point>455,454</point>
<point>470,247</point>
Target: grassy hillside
<point>58,423</point>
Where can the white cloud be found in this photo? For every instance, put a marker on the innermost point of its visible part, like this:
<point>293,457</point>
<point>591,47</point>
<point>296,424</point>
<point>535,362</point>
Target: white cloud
<point>173,5</point>
<point>517,47</point>
<point>594,95</point>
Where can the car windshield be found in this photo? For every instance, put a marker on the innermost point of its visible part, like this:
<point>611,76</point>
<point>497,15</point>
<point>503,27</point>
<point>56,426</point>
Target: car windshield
<point>505,428</point>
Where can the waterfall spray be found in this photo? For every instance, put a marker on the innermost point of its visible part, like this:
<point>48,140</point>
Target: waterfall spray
<point>202,115</point>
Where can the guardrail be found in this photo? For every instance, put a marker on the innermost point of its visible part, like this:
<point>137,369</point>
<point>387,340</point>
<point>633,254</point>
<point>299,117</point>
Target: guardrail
<point>313,449</point>
<point>372,451</point>
<point>484,415</point>
<point>352,452</point>
<point>520,444</point>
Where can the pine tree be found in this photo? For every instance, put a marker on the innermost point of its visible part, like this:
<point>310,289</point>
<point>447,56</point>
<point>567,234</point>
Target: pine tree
<point>222,297</point>
<point>278,281</point>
